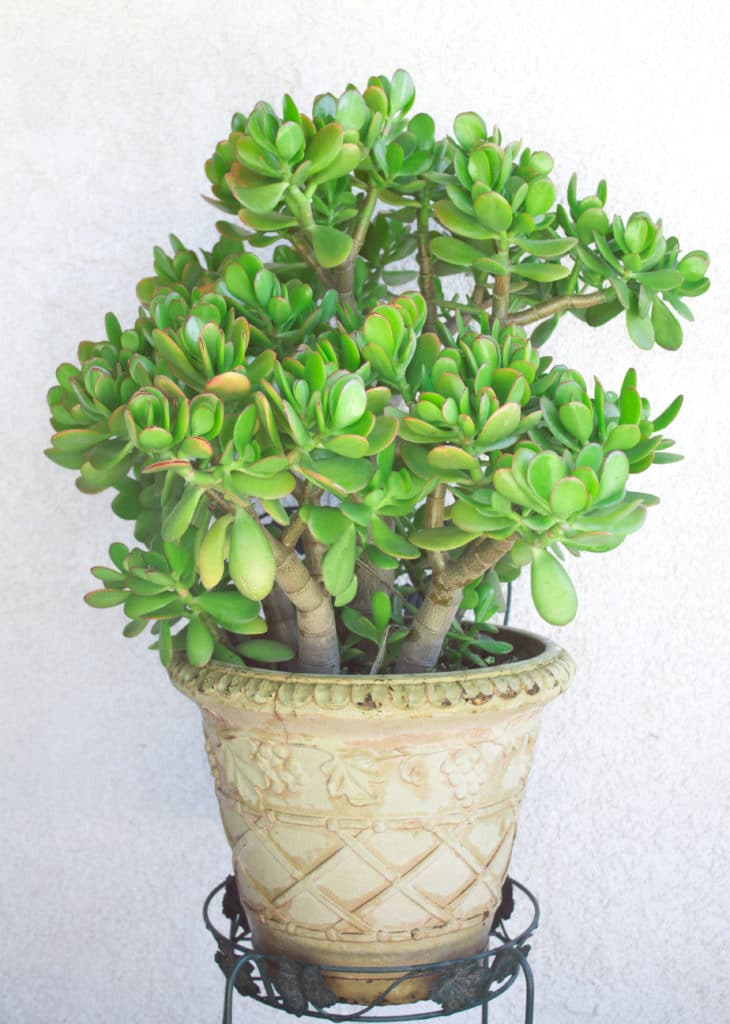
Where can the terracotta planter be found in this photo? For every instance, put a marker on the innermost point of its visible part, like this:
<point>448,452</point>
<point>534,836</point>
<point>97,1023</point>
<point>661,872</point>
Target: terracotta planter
<point>372,817</point>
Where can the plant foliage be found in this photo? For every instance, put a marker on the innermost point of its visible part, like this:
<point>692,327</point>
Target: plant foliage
<point>333,454</point>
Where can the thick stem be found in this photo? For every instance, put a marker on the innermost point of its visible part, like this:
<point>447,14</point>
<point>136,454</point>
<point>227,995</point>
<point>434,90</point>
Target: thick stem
<point>500,302</point>
<point>560,305</point>
<point>314,552</point>
<point>281,618</point>
<point>425,263</point>
<point>319,650</point>
<point>433,517</point>
<point>344,275</point>
<point>422,646</point>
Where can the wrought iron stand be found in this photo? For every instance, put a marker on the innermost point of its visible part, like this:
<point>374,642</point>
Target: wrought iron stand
<point>300,989</point>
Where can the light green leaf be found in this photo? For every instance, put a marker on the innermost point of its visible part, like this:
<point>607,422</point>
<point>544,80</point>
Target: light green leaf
<point>569,497</point>
<point>667,329</point>
<point>251,561</point>
<point>338,564</point>
<point>441,538</point>
<point>265,650</point>
<point>541,271</point>
<point>641,329</point>
<point>331,246</point>
<point>552,589</point>
<point>454,251</point>
<point>198,643</point>
<point>493,211</point>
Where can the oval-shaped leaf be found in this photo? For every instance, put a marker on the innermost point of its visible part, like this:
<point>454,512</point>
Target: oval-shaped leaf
<point>569,497</point>
<point>552,589</point>
<point>198,643</point>
<point>441,538</point>
<point>493,211</point>
<point>251,561</point>
<point>265,650</point>
<point>338,564</point>
<point>331,246</point>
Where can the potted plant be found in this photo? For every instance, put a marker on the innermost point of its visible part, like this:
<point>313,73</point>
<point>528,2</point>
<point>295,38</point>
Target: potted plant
<point>338,435</point>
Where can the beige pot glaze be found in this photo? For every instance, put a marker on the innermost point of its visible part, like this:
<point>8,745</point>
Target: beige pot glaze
<point>372,817</point>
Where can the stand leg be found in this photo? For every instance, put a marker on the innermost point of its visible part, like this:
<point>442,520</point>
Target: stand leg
<point>231,988</point>
<point>529,986</point>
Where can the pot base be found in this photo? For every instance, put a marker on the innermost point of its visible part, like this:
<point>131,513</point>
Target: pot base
<point>369,977</point>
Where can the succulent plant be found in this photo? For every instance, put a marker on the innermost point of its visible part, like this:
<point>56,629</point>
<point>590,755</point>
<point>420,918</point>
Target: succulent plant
<point>330,472</point>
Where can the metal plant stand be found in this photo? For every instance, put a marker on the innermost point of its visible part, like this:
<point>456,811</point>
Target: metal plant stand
<point>300,988</point>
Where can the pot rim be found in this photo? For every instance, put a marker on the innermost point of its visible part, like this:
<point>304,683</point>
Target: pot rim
<point>532,680</point>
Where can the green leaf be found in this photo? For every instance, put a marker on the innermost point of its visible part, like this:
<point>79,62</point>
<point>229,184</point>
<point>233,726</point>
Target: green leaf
<point>105,598</point>
<point>157,606</point>
<point>346,161</point>
<point>391,542</point>
<point>447,458</point>
<point>324,147</point>
<point>352,110</point>
<point>454,251</point>
<point>211,554</point>
<point>569,497</point>
<point>165,643</point>
<point>500,424</point>
<point>441,538</point>
<point>456,220</point>
<point>251,561</point>
<point>265,650</point>
<point>181,515</point>
<point>351,403</point>
<point>541,271</point>
<point>272,487</point>
<point>552,589</point>
<point>493,210</point>
<point>622,437</point>
<point>357,623</point>
<point>336,473</point>
<point>262,198</point>
<point>325,524</point>
<point>547,248</point>
<point>614,477</point>
<point>469,129</point>
<point>664,419</point>
<point>382,609</point>
<point>338,564</point>
<point>289,141</point>
<point>540,197</point>
<point>331,246</point>
<point>402,92</point>
<point>693,266</point>
<point>667,329</point>
<point>472,520</point>
<point>659,280</point>
<point>641,329</point>
<point>244,428</point>
<point>229,608</point>
<point>76,440</point>
<point>198,643</point>
<point>577,418</point>
<point>544,472</point>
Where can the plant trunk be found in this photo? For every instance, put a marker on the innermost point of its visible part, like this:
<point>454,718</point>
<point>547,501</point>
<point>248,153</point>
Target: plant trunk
<point>423,644</point>
<point>319,650</point>
<point>281,618</point>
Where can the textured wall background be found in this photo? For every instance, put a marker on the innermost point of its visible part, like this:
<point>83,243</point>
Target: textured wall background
<point>110,836</point>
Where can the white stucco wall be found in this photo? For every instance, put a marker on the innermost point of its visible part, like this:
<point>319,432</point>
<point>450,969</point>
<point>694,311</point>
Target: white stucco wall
<point>109,837</point>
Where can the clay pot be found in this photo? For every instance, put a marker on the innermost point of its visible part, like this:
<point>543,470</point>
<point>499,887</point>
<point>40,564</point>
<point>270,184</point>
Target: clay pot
<point>372,817</point>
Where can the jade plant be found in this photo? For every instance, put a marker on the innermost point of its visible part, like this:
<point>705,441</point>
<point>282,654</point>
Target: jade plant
<point>337,433</point>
